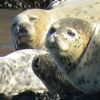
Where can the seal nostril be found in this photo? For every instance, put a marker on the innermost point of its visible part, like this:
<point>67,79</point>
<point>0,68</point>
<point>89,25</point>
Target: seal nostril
<point>22,29</point>
<point>52,30</point>
<point>36,61</point>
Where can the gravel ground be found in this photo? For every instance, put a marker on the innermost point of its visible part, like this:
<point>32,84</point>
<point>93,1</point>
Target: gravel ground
<point>29,95</point>
<point>24,3</point>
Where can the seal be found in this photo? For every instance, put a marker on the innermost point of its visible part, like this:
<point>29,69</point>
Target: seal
<point>30,27</point>
<point>46,69</point>
<point>16,75</point>
<point>74,44</point>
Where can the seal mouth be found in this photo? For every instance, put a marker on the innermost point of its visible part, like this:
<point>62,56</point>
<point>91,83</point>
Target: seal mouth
<point>22,42</point>
<point>64,55</point>
<point>63,58</point>
<point>22,46</point>
<point>57,52</point>
<point>52,46</point>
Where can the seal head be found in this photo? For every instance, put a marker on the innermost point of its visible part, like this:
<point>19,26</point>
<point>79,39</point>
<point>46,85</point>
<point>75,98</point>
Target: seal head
<point>67,40</point>
<point>28,28</point>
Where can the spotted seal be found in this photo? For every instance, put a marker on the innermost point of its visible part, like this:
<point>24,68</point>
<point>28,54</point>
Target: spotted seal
<point>46,69</point>
<point>16,75</point>
<point>77,59</point>
<point>30,27</point>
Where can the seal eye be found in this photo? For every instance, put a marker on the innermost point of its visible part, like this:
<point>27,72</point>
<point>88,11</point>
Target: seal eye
<point>71,33</point>
<point>32,18</point>
<point>14,24</point>
<point>52,30</point>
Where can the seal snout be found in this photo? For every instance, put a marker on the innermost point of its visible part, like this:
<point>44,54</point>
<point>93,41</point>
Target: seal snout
<point>20,25</point>
<point>22,29</point>
<point>52,36</point>
<point>21,37</point>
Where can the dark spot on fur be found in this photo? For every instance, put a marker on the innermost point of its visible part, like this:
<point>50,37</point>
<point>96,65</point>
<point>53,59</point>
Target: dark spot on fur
<point>72,66</point>
<point>98,73</point>
<point>69,64</point>
<point>85,64</point>
<point>94,42</point>
<point>97,3</point>
<point>7,81</point>
<point>90,6</point>
<point>79,68</point>
<point>82,79</point>
<point>79,81</point>
<point>85,11</point>
<point>91,17</point>
<point>95,82</point>
<point>88,81</point>
<point>77,13</point>
<point>8,72</point>
<point>75,46</point>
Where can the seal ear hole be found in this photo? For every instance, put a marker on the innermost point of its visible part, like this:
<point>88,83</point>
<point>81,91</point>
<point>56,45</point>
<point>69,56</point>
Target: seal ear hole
<point>71,33</point>
<point>14,24</point>
<point>52,30</point>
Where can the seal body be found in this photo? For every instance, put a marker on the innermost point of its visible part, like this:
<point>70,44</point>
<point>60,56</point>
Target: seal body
<point>88,77</point>
<point>74,61</point>
<point>16,75</point>
<point>62,46</point>
<point>30,27</point>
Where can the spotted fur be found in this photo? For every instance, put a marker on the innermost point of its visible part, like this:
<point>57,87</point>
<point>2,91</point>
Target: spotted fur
<point>16,73</point>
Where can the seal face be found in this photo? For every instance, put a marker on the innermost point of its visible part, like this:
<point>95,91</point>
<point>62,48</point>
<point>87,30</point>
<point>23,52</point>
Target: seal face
<point>28,29</point>
<point>67,40</point>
